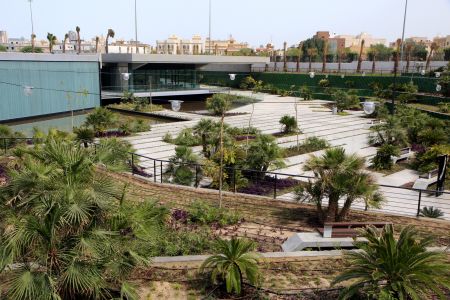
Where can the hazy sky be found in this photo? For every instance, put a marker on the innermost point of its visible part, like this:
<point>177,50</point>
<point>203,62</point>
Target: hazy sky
<point>254,21</point>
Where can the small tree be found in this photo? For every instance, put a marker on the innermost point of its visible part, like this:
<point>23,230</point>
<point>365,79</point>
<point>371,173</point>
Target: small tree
<point>233,259</point>
<point>289,124</point>
<point>390,268</point>
<point>345,101</point>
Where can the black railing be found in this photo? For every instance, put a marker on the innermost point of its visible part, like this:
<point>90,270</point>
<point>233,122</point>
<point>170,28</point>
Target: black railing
<point>400,200</point>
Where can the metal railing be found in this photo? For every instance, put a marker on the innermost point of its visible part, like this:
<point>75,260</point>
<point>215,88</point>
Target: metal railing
<point>399,200</point>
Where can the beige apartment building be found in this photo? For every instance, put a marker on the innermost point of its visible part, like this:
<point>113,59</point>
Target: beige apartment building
<point>224,47</point>
<point>175,45</point>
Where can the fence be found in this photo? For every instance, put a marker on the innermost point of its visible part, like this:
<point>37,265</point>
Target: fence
<point>399,200</point>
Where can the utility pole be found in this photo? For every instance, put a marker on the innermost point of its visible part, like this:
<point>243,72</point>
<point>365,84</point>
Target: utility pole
<point>209,34</point>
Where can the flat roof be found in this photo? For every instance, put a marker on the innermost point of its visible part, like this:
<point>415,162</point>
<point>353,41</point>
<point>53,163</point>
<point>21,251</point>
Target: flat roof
<point>17,56</point>
<point>181,59</point>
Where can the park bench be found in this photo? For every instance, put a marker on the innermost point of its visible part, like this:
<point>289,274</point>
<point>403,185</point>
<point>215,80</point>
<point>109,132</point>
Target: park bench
<point>426,180</point>
<point>346,229</point>
<point>405,153</point>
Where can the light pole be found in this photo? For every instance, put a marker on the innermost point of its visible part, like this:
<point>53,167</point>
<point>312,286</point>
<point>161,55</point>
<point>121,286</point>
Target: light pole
<point>136,26</point>
<point>209,34</point>
<point>32,26</point>
<point>403,32</point>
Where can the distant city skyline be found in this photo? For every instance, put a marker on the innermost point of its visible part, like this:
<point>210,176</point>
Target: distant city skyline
<point>254,21</point>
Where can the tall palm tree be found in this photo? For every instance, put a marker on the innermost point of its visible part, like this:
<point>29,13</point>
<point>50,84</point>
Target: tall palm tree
<point>97,41</point>
<point>284,57</point>
<point>390,268</point>
<point>111,34</point>
<point>409,47</point>
<point>66,37</point>
<point>434,46</point>
<point>51,41</point>
<point>358,68</point>
<point>338,176</point>
<point>298,56</point>
<point>340,54</point>
<point>397,55</point>
<point>275,59</point>
<point>234,259</point>
<point>312,53</point>
<point>61,237</point>
<point>373,53</point>
<point>77,29</point>
<point>324,56</point>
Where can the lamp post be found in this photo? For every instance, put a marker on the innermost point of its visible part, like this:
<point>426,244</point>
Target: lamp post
<point>403,32</point>
<point>209,33</point>
<point>32,26</point>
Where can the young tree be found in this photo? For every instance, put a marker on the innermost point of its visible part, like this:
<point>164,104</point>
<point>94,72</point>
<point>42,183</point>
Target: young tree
<point>233,259</point>
<point>401,268</point>
<point>338,176</point>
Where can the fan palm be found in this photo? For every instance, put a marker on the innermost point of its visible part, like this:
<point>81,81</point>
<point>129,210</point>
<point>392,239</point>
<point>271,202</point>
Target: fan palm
<point>399,269</point>
<point>110,34</point>
<point>264,153</point>
<point>434,46</point>
<point>66,37</point>
<point>97,41</point>
<point>338,177</point>
<point>289,124</point>
<point>312,53</point>
<point>51,41</point>
<point>324,56</point>
<point>182,165</point>
<point>391,132</point>
<point>233,260</point>
<point>57,231</point>
<point>204,129</point>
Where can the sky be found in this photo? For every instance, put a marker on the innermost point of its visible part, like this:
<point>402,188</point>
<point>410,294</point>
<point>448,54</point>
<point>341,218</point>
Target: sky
<point>254,21</point>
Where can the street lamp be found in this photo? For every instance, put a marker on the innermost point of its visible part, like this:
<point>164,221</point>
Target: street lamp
<point>136,25</point>
<point>175,105</point>
<point>312,75</point>
<point>438,88</point>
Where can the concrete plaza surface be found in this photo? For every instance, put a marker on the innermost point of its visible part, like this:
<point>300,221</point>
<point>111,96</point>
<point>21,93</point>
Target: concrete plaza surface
<point>350,132</point>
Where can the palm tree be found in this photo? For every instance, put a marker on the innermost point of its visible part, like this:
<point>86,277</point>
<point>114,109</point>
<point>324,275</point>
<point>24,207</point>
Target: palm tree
<point>338,176</point>
<point>340,54</point>
<point>77,29</point>
<point>358,68</point>
<point>390,268</point>
<point>409,47</point>
<point>182,166</point>
<point>284,57</point>
<point>66,37</point>
<point>312,52</point>
<point>101,119</point>
<point>298,56</point>
<point>397,55</point>
<point>51,41</point>
<point>391,132</point>
<point>97,41</point>
<point>84,135</point>
<point>324,56</point>
<point>111,34</point>
<point>33,42</point>
<point>434,46</point>
<point>204,129</point>
<point>234,259</point>
<point>289,123</point>
<point>373,53</point>
<point>264,153</point>
<point>62,237</point>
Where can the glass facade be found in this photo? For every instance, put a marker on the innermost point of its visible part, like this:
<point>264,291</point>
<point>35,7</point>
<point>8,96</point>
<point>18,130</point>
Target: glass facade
<point>154,77</point>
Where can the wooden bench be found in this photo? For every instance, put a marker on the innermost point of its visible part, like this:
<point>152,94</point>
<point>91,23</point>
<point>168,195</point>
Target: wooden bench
<point>344,229</point>
<point>405,153</point>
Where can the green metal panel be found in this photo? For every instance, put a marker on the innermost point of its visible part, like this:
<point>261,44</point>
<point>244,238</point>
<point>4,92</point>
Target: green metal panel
<point>57,87</point>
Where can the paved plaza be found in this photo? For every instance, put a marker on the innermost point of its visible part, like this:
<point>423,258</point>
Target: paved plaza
<point>350,132</point>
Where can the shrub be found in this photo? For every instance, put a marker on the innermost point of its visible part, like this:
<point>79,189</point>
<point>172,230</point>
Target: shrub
<point>431,212</point>
<point>444,107</point>
<point>445,84</point>
<point>383,158</point>
<point>315,143</point>
<point>350,84</point>
<point>289,124</point>
<point>248,83</point>
<point>186,137</point>
<point>101,119</point>
<point>345,100</point>
<point>84,135</point>
<point>305,93</point>
<point>427,161</point>
<point>12,138</point>
<point>324,83</point>
<point>168,138</point>
<point>218,104</point>
<point>202,213</point>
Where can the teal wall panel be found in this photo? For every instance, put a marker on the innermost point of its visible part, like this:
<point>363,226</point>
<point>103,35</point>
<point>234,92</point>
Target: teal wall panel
<point>57,87</point>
